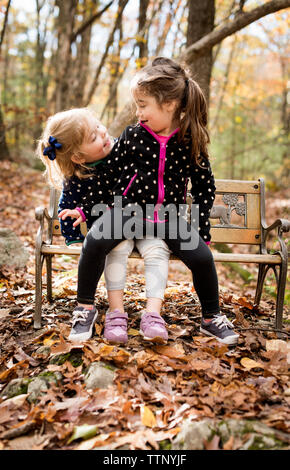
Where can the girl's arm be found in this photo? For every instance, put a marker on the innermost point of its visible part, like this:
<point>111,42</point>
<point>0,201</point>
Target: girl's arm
<point>66,212</point>
<point>203,193</point>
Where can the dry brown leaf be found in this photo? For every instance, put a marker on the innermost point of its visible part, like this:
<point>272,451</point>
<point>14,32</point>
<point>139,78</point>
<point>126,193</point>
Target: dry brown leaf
<point>175,352</point>
<point>249,364</point>
<point>147,417</point>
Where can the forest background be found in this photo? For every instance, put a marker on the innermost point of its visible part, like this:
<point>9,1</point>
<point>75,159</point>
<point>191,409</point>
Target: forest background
<point>56,55</point>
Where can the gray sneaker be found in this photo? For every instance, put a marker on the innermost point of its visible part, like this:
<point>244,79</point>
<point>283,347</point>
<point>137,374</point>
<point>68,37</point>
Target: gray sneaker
<point>83,323</point>
<point>221,328</point>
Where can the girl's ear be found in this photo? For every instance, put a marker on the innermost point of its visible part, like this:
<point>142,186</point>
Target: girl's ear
<point>77,159</point>
<point>171,105</point>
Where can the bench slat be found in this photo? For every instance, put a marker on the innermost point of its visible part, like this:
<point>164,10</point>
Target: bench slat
<point>236,235</point>
<point>234,257</point>
<point>238,186</point>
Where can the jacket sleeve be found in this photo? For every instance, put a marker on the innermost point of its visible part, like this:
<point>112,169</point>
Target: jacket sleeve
<point>102,191</point>
<point>68,200</point>
<point>203,194</point>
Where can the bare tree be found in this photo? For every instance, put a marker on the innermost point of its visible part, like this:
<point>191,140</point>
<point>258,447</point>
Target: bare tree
<point>110,40</point>
<point>142,42</point>
<point>201,17</point>
<point>206,43</point>
<point>67,33</point>
<point>4,151</point>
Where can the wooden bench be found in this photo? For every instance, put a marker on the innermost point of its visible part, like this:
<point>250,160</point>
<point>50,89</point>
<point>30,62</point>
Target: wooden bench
<point>240,211</point>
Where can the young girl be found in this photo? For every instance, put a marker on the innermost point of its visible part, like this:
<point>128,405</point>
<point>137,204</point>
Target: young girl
<point>166,149</point>
<point>75,148</point>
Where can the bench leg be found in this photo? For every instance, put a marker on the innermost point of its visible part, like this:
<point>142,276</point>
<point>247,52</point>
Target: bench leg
<point>281,284</point>
<point>263,268</point>
<point>38,290</point>
<point>49,278</point>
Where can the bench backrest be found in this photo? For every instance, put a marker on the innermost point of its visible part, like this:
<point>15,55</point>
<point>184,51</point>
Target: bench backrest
<point>235,217</point>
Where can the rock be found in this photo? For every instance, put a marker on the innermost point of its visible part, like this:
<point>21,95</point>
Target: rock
<point>43,351</point>
<point>99,375</point>
<point>36,388</point>
<point>193,434</point>
<point>253,435</point>
<point>39,385</point>
<point>12,251</point>
<point>15,387</point>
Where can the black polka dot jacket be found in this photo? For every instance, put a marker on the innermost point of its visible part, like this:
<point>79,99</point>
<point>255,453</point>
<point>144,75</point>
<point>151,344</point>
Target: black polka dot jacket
<point>154,170</point>
<point>73,192</point>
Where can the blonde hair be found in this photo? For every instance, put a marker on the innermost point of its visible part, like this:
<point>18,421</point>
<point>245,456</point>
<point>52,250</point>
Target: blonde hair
<point>71,128</point>
<point>166,81</point>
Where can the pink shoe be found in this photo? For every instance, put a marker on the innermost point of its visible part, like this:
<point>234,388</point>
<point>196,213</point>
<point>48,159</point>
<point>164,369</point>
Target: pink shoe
<point>116,327</point>
<point>152,328</point>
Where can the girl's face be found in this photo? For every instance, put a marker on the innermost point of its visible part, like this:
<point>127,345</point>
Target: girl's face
<point>158,117</point>
<point>97,145</point>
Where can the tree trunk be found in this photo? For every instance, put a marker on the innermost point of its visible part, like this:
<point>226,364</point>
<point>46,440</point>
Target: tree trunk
<point>65,28</point>
<point>142,43</point>
<point>80,69</point>
<point>4,151</point>
<point>41,81</point>
<point>201,16</point>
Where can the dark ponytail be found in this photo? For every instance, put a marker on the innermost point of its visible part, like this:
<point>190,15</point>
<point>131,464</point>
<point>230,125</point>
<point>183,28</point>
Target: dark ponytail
<point>194,120</point>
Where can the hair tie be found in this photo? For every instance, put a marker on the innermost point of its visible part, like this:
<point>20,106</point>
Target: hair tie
<point>186,81</point>
<point>50,150</point>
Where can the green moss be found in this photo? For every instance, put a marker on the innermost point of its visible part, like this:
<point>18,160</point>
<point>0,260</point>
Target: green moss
<point>75,358</point>
<point>165,445</point>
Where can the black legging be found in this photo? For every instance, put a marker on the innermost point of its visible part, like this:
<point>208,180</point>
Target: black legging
<point>101,239</point>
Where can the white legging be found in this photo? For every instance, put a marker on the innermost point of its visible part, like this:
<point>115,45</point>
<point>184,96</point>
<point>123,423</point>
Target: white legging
<point>156,256</point>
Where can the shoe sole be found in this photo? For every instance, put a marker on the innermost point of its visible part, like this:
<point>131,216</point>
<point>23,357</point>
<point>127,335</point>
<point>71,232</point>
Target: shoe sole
<point>110,341</point>
<point>229,340</point>
<point>156,339</point>
<point>84,336</point>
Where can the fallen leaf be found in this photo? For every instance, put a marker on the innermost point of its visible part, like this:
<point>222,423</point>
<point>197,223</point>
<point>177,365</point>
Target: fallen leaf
<point>147,417</point>
<point>250,363</point>
<point>13,370</point>
<point>85,431</point>
<point>176,352</point>
<point>133,332</point>
<point>245,303</point>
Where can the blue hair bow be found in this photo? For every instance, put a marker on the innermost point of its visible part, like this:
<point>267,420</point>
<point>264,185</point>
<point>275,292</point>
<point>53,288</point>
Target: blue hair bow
<point>50,151</point>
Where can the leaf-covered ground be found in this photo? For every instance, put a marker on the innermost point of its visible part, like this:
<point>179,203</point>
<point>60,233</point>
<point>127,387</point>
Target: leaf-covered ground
<point>154,388</point>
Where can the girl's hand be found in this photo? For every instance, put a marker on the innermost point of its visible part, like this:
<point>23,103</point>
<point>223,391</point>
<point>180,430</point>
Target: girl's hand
<point>73,213</point>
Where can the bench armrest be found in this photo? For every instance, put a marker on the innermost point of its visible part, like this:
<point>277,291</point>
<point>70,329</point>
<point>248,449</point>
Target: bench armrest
<point>282,226</point>
<point>42,215</point>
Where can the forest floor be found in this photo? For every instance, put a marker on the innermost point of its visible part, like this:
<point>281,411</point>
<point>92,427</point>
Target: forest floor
<point>154,389</point>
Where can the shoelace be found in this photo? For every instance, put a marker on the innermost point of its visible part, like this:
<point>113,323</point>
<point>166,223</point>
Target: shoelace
<point>222,321</point>
<point>79,315</point>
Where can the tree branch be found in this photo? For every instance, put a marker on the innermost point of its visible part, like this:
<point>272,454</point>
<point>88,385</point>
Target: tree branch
<point>88,22</point>
<point>201,46</point>
<point>242,20</point>
<point>4,24</point>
